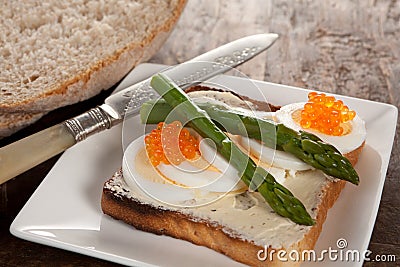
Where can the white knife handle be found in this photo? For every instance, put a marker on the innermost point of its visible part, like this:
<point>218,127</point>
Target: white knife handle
<point>26,153</point>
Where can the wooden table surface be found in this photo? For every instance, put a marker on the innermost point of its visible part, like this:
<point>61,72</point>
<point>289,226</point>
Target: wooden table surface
<point>346,47</point>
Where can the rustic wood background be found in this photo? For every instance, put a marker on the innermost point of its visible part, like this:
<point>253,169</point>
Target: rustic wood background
<point>345,47</point>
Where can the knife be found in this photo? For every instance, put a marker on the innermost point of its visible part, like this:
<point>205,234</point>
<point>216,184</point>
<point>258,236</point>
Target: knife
<point>26,153</point>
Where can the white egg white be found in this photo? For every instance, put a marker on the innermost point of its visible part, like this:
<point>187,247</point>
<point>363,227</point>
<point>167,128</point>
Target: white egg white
<point>345,143</point>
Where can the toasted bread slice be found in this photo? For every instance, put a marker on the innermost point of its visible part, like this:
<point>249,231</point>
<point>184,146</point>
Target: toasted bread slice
<point>242,232</point>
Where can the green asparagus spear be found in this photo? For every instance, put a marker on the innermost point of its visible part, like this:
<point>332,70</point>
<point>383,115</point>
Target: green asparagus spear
<point>305,146</point>
<point>277,196</point>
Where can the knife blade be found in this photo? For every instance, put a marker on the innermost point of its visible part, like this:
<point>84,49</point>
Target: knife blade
<point>45,144</point>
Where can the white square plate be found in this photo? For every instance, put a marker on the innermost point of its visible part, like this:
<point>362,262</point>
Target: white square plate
<point>65,212</point>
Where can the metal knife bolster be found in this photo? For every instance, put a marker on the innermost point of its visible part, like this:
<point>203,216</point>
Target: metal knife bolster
<point>199,69</point>
<point>91,122</point>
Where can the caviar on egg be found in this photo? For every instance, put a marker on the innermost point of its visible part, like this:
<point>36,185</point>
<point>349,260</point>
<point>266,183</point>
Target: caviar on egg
<point>325,114</point>
<point>170,144</point>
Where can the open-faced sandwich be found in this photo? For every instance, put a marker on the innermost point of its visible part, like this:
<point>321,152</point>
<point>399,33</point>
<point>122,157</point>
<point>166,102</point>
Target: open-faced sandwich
<point>235,174</point>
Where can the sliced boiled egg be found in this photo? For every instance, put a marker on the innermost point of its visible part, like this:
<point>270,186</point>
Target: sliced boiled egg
<point>174,184</point>
<point>140,176</point>
<point>353,135</point>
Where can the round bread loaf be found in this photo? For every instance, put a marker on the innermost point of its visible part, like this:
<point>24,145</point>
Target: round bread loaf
<point>56,53</point>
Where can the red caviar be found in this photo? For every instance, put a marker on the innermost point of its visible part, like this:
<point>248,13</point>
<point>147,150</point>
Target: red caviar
<point>170,143</point>
<point>325,114</point>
